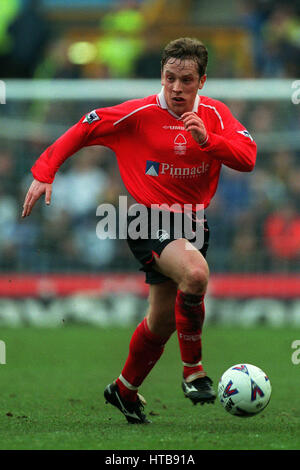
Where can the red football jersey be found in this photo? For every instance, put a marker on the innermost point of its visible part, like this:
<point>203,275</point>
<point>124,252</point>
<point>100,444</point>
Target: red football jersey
<point>159,161</point>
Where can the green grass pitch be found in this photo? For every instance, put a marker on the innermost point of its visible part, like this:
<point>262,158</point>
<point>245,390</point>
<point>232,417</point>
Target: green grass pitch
<point>53,380</point>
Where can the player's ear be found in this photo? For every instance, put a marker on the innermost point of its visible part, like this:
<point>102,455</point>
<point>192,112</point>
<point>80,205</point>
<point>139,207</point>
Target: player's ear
<point>162,79</point>
<point>202,81</point>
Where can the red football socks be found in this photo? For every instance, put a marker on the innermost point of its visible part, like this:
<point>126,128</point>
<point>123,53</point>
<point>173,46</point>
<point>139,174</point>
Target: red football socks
<point>189,314</point>
<point>145,349</point>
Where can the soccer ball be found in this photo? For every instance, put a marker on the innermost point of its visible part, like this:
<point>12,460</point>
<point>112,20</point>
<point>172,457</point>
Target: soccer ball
<point>244,390</point>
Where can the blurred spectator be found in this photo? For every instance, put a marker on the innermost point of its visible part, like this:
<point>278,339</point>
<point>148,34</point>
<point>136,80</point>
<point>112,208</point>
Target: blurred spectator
<point>148,64</point>
<point>284,163</point>
<point>267,189</point>
<point>282,235</point>
<point>262,118</point>
<point>70,230</point>
<point>93,252</point>
<point>79,190</point>
<point>8,218</point>
<point>56,246</point>
<point>275,31</point>
<point>294,185</point>
<point>9,10</point>
<point>29,34</point>
<point>8,177</point>
<point>56,63</point>
<point>281,34</point>
<point>234,192</point>
<point>121,42</point>
<point>244,256</point>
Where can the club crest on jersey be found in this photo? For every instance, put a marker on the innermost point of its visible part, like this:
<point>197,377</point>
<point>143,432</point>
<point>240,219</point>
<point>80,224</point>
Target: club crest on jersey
<point>246,134</point>
<point>180,144</point>
<point>91,117</point>
<point>242,368</point>
<point>152,168</point>
<point>255,389</point>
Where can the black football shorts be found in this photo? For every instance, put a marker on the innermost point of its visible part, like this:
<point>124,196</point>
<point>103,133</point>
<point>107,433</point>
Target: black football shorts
<point>152,242</point>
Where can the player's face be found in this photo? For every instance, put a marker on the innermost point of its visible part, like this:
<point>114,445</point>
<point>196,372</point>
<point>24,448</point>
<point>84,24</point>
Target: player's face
<point>181,82</point>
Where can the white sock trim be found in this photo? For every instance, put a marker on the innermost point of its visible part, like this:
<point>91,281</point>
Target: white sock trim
<point>195,376</point>
<point>192,365</point>
<point>127,384</point>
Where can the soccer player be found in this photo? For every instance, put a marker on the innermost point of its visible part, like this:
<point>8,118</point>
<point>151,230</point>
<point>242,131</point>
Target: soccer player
<point>170,148</point>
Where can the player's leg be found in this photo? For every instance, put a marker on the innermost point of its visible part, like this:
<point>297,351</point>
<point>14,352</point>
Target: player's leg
<point>189,270</point>
<point>145,349</point>
<point>187,267</point>
<point>161,311</point>
<point>149,338</point>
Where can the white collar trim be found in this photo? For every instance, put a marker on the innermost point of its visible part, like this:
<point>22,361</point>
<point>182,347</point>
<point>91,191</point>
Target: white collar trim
<point>163,104</point>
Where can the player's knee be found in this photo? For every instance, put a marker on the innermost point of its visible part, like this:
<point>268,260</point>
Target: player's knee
<point>195,280</point>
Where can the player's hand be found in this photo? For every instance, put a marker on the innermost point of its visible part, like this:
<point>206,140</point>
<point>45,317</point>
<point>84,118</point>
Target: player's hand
<point>195,126</point>
<point>37,188</point>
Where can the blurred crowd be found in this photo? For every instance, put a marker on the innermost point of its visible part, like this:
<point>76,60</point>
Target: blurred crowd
<point>254,218</point>
<point>124,38</point>
<point>275,36</point>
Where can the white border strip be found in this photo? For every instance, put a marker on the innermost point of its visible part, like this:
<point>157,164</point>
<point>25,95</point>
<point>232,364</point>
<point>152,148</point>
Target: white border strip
<point>116,90</point>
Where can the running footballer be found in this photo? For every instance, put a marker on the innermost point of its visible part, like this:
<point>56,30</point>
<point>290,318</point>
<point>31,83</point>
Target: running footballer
<point>174,129</point>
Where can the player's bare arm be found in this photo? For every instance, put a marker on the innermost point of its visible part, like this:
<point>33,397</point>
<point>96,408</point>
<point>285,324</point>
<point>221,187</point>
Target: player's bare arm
<point>35,191</point>
<point>194,124</point>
